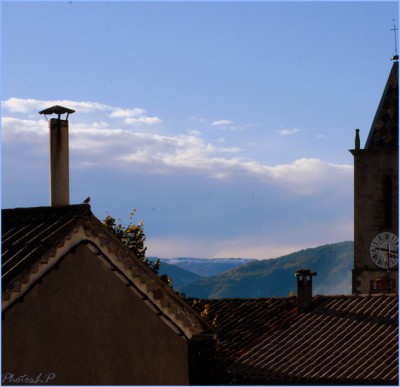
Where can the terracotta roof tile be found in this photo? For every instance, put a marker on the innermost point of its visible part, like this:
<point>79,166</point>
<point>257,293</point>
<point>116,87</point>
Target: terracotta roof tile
<point>342,339</point>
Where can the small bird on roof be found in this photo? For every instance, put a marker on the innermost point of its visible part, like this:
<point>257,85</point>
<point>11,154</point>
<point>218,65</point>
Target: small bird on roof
<point>87,200</point>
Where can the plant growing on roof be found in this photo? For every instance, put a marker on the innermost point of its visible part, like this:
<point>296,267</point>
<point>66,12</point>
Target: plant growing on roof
<point>133,237</point>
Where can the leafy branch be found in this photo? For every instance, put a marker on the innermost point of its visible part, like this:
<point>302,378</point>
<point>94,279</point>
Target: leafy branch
<point>133,237</point>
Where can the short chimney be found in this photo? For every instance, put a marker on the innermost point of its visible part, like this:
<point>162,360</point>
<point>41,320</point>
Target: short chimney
<point>304,289</point>
<point>59,155</point>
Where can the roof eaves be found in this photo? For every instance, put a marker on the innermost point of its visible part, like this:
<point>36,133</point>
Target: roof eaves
<point>88,229</point>
<point>20,284</point>
<point>159,292</point>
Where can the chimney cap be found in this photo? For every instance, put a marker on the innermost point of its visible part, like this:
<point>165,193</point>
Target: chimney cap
<point>305,272</point>
<point>57,109</point>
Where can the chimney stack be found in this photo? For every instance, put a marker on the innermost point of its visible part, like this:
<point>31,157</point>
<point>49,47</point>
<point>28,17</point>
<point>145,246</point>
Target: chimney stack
<point>304,289</point>
<point>59,155</point>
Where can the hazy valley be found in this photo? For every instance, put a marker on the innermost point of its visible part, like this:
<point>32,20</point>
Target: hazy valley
<point>247,278</point>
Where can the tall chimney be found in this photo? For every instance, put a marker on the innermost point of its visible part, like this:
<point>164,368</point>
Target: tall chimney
<point>59,155</point>
<point>304,289</point>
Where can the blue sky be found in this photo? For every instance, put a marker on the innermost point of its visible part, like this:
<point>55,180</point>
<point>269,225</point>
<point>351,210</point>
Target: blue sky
<point>226,124</point>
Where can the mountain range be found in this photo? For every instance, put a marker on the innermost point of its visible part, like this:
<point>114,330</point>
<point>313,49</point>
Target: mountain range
<point>206,267</point>
<point>250,278</point>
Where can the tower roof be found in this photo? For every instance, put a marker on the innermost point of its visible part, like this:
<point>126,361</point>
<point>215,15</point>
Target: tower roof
<point>384,132</point>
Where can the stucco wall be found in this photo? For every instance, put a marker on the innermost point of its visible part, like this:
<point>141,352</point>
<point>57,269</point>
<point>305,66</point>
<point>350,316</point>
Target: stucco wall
<point>85,326</point>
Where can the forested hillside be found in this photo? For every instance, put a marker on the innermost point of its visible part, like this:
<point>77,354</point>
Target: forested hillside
<point>275,277</point>
<point>206,267</point>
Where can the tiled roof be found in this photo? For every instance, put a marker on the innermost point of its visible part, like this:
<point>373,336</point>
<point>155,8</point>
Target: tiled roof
<point>341,340</point>
<point>240,322</point>
<point>35,239</point>
<point>28,233</point>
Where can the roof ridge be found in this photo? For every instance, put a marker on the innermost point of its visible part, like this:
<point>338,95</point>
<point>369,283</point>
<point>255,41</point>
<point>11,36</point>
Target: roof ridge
<point>61,229</point>
<point>48,208</point>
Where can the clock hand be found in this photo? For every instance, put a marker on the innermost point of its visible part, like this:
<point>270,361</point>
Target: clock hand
<point>387,250</point>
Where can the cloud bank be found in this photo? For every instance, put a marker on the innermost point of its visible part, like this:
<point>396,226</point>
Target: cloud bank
<point>116,137</point>
<point>199,197</point>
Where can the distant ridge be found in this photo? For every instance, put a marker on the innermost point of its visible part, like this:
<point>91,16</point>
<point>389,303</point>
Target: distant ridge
<point>185,270</point>
<point>271,277</point>
<point>207,266</point>
<point>178,275</point>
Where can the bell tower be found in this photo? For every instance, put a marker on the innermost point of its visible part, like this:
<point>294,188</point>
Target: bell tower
<point>376,192</point>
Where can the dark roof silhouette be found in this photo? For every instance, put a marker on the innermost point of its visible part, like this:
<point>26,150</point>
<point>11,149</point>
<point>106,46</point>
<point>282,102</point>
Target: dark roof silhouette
<point>34,239</point>
<point>341,340</point>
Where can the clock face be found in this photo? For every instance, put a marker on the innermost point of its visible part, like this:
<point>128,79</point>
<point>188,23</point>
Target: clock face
<point>384,250</point>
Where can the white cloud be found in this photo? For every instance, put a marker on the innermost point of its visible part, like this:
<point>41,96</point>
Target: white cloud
<point>101,141</point>
<point>143,121</point>
<point>21,105</point>
<point>13,128</point>
<point>231,125</point>
<point>124,113</point>
<point>305,176</point>
<point>81,107</point>
<point>135,116</point>
<point>288,132</point>
<point>222,123</point>
<point>103,146</point>
<point>233,149</point>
